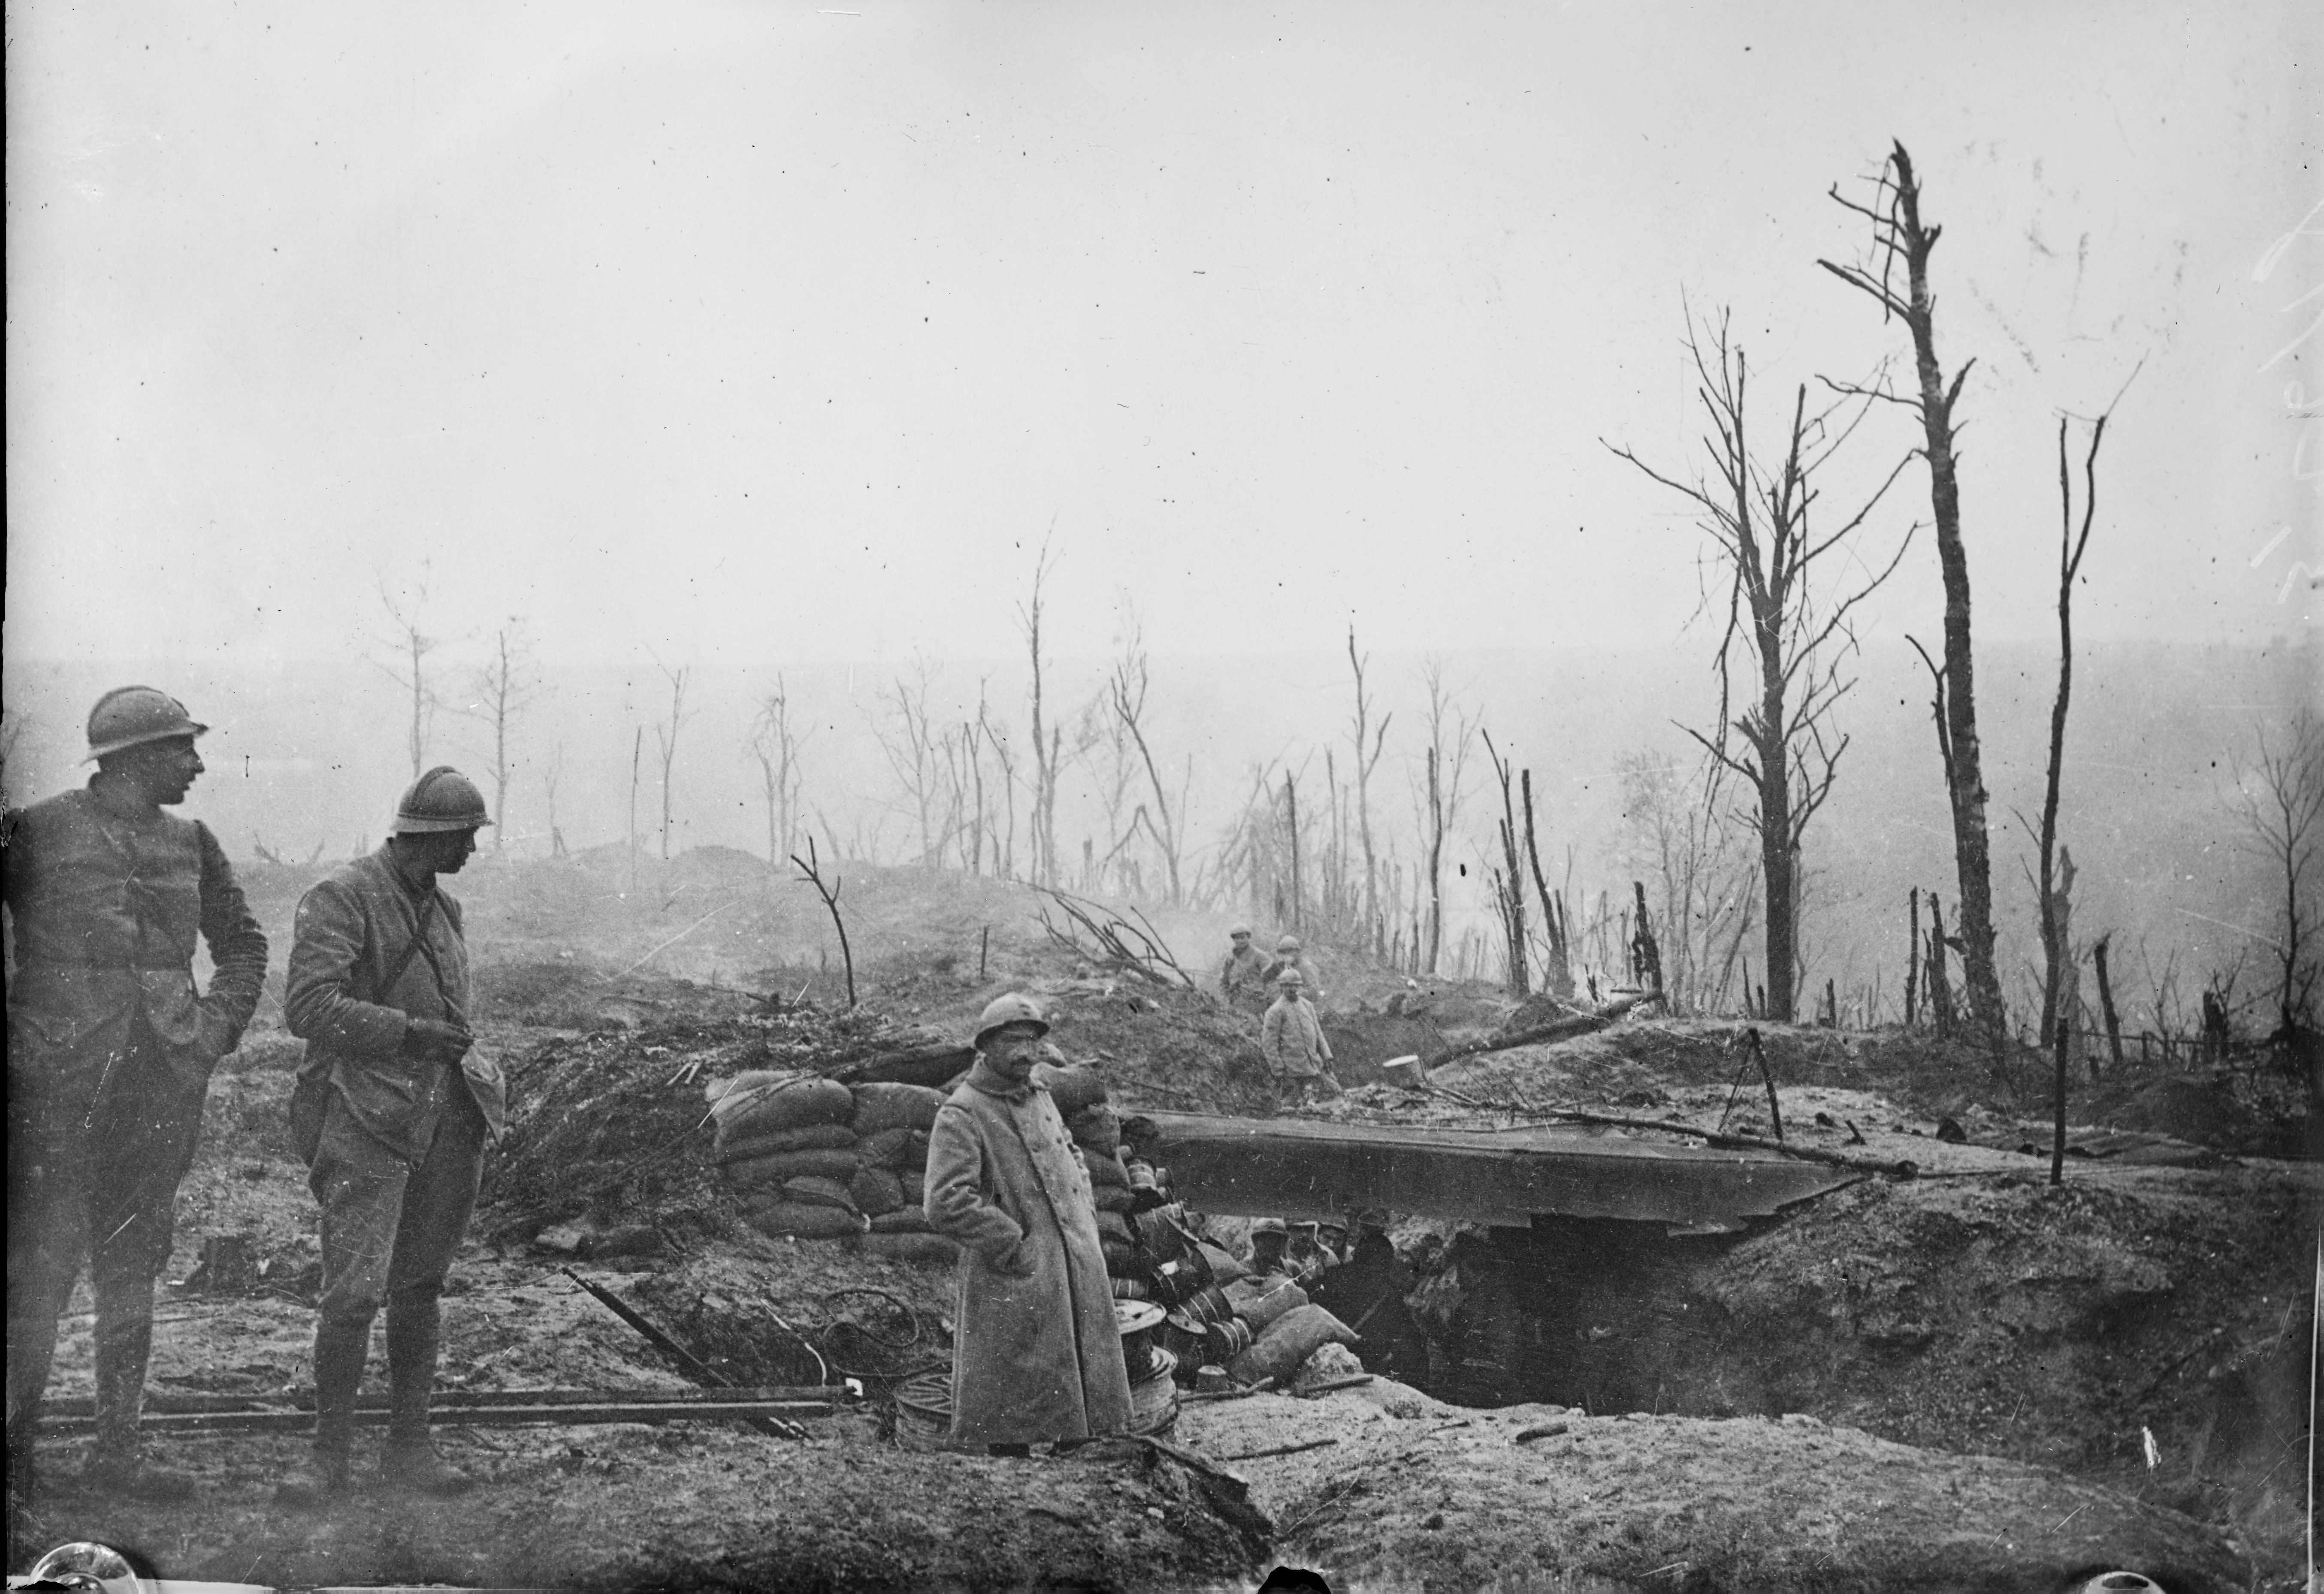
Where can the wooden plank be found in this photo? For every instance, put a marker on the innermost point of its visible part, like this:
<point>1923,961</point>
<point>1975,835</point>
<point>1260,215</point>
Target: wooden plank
<point>480,1416</point>
<point>303,1400</point>
<point>1303,1168</point>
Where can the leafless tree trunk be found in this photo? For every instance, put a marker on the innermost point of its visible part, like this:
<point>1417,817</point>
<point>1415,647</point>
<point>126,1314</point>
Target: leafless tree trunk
<point>1291,822</point>
<point>1366,761</point>
<point>550,778</point>
<point>409,647</point>
<point>776,747</point>
<point>637,756</point>
<point>2057,1026</point>
<point>911,751</point>
<point>1128,694</point>
<point>1912,956</point>
<point>506,686</point>
<point>996,734</point>
<point>1557,968</point>
<point>666,739</point>
<point>1445,760</point>
<point>2106,1004</point>
<point>1047,741</point>
<point>2280,803</point>
<point>1796,643</point>
<point>1898,235</point>
<point>1508,880</point>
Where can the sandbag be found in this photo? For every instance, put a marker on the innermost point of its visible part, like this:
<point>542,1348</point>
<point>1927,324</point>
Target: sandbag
<point>1287,1343</point>
<point>890,1106</point>
<point>916,1187</point>
<point>928,1249</point>
<point>1105,1169</point>
<point>1121,1256</point>
<point>793,1164</point>
<point>876,1191</point>
<point>1113,1225</point>
<point>1073,1089</point>
<point>1261,1306</point>
<point>798,1100</point>
<point>806,1223</point>
<point>814,1136</point>
<point>887,1149</point>
<point>917,1157</point>
<point>1113,1198</point>
<point>1097,1128</point>
<point>817,1192</point>
<point>902,1221</point>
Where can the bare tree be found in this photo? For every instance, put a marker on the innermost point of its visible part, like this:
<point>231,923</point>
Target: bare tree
<point>666,739</point>
<point>1676,834</point>
<point>509,683</point>
<point>1366,759</point>
<point>1796,641</point>
<point>1507,879</point>
<point>911,747</point>
<point>550,778</point>
<point>1047,739</point>
<point>996,736</point>
<point>1128,694</point>
<point>408,647</point>
<point>776,746</point>
<point>1446,761</point>
<point>1900,236</point>
<point>2280,799</point>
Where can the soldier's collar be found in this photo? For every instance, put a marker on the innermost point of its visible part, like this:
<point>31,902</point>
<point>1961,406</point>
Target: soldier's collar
<point>993,1082</point>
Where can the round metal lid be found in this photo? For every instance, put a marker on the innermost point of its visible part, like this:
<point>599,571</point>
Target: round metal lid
<point>1132,1317</point>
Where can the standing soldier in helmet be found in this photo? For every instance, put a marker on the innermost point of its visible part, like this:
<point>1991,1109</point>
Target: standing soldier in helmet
<point>393,1108</point>
<point>1242,977</point>
<point>1292,1036</point>
<point>1038,1355</point>
<point>110,1049</point>
<point>1290,954</point>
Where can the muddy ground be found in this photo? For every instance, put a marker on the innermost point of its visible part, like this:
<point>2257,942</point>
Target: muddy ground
<point>1942,1383</point>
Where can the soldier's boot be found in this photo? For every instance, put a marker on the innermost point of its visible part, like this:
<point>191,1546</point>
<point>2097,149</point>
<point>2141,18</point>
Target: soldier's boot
<point>124,1344</point>
<point>321,1475</point>
<point>410,1461</point>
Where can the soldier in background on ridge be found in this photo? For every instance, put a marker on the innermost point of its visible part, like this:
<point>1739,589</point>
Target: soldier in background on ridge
<point>1242,977</point>
<point>1292,1037</point>
<point>392,1110</point>
<point>110,1049</point>
<point>1290,954</point>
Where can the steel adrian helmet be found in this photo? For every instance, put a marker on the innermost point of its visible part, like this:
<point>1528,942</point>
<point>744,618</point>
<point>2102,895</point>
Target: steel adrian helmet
<point>129,715</point>
<point>1291,979</point>
<point>1269,1226</point>
<point>1286,943</point>
<point>442,799</point>
<point>1239,932</point>
<point>1005,1010</point>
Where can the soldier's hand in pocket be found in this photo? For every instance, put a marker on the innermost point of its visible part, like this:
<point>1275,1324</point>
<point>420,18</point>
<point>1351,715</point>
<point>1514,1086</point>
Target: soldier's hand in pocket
<point>433,1041</point>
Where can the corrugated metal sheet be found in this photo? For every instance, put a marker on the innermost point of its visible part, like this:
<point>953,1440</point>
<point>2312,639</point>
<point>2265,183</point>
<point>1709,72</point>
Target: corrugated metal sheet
<point>1301,1169</point>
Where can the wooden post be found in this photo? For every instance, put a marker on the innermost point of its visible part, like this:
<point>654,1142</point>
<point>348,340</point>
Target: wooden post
<point>984,945</point>
<point>2105,1006</point>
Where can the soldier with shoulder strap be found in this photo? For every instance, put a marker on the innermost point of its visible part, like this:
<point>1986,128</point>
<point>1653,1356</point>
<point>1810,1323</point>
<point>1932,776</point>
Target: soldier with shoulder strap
<point>395,1105</point>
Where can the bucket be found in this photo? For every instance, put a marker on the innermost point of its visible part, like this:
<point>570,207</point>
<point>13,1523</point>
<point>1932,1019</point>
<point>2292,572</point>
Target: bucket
<point>924,1410</point>
<point>1154,1399</point>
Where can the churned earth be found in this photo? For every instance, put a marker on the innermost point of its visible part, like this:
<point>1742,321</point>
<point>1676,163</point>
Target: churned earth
<point>1949,1382</point>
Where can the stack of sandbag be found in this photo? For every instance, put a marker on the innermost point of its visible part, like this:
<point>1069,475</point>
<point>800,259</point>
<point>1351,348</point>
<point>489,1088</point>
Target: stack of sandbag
<point>814,1159</point>
<point>1284,1346</point>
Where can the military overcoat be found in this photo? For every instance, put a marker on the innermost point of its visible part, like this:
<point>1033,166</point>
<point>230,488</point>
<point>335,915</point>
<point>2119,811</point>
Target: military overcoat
<point>1037,1352</point>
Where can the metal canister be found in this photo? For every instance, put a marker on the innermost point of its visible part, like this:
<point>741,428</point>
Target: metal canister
<point>1131,1289</point>
<point>1227,1340</point>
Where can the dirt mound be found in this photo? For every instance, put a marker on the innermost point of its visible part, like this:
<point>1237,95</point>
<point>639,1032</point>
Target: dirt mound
<point>1178,1050</point>
<point>2205,1112</point>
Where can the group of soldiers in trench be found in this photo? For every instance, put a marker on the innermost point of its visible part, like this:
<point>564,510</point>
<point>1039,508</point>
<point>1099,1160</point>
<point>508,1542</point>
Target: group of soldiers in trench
<point>111,1045</point>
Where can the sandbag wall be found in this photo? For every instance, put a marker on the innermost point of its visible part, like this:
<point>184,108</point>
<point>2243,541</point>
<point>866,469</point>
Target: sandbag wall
<point>816,1160</point>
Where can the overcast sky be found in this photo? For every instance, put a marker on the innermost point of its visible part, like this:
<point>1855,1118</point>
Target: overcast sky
<point>768,332</point>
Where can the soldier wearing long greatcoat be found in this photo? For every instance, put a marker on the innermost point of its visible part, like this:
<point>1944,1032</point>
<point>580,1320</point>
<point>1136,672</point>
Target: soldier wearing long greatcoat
<point>1037,1354</point>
